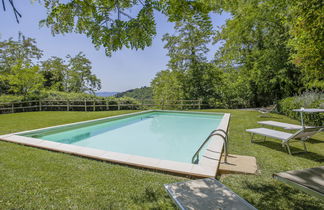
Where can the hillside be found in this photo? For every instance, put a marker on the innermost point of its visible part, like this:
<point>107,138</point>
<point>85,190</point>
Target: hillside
<point>137,93</point>
<point>106,94</point>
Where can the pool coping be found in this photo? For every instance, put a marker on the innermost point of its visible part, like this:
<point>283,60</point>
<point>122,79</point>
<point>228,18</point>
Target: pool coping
<point>207,166</point>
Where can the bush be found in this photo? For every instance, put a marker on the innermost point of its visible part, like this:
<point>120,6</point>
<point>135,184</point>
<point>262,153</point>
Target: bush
<point>306,100</point>
<point>10,98</point>
<point>62,101</point>
<point>57,95</point>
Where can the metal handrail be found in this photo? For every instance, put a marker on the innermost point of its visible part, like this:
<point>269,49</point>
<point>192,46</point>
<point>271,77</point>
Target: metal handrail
<point>207,139</point>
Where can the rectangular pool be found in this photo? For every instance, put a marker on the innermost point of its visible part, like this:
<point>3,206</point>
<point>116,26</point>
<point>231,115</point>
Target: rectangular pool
<point>154,135</point>
<point>161,135</point>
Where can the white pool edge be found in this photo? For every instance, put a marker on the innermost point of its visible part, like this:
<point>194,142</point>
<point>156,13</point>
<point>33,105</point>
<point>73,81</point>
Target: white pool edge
<point>207,166</point>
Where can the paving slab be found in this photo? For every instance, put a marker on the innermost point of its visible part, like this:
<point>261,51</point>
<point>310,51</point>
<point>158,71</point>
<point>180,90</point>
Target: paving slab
<point>238,164</point>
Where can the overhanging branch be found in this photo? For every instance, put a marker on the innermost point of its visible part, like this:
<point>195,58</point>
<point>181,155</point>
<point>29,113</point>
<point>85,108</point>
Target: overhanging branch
<point>16,12</point>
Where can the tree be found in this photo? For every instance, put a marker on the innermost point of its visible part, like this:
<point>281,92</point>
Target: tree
<point>79,77</point>
<point>22,52</point>
<point>54,71</point>
<point>188,46</point>
<point>187,49</point>
<point>111,25</point>
<point>168,86</point>
<point>16,12</point>
<point>25,79</point>
<point>307,40</point>
<point>256,45</point>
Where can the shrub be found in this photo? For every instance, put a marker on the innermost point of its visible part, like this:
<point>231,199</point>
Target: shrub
<point>10,98</point>
<point>306,100</point>
<point>62,101</point>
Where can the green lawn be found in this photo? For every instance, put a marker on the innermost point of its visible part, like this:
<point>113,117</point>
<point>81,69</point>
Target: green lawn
<point>32,178</point>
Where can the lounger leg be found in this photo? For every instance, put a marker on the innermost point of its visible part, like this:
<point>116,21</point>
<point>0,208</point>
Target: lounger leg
<point>305,149</point>
<point>288,148</point>
<point>264,139</point>
<point>252,137</point>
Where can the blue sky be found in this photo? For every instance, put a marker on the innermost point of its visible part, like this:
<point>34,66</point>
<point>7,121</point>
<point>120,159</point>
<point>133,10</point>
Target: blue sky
<point>126,69</point>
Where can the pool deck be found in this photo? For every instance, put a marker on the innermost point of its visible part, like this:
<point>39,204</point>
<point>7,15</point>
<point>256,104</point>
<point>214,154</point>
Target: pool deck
<point>207,166</point>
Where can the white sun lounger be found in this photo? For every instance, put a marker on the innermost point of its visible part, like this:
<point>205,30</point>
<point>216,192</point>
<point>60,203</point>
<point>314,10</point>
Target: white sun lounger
<point>310,180</point>
<point>282,125</point>
<point>205,194</point>
<point>301,135</point>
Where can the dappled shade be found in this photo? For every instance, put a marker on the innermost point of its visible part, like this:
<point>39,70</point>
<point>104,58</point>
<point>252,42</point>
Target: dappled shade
<point>205,194</point>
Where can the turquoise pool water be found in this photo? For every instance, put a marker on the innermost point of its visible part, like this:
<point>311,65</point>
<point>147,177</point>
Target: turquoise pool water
<point>162,135</point>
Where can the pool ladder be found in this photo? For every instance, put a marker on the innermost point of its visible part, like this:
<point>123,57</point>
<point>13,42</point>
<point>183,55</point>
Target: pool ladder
<point>195,157</point>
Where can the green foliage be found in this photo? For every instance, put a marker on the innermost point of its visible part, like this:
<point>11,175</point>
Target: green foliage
<point>22,52</point>
<point>25,80</point>
<point>256,40</point>
<point>117,24</point>
<point>307,40</point>
<point>126,100</point>
<point>188,46</point>
<point>254,62</point>
<point>234,92</point>
<point>75,76</point>
<point>190,75</point>
<point>107,23</point>
<point>306,100</point>
<point>137,93</point>
<point>20,72</point>
<point>10,98</point>
<point>57,95</point>
<point>79,77</point>
<point>54,71</point>
<point>168,86</point>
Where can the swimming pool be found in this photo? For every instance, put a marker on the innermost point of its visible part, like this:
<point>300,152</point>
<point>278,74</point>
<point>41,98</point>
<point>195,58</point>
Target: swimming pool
<point>152,137</point>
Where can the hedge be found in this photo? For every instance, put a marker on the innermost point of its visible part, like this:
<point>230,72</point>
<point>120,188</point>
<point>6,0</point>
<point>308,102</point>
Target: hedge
<point>306,100</point>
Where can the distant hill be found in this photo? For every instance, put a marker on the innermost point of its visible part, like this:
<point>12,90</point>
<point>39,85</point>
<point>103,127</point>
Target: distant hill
<point>106,94</point>
<point>138,93</point>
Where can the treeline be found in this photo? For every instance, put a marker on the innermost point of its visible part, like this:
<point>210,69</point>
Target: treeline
<point>23,72</point>
<point>137,93</point>
<point>269,50</point>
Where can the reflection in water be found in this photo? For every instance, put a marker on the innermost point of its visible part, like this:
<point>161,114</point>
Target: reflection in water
<point>73,139</point>
<point>80,134</point>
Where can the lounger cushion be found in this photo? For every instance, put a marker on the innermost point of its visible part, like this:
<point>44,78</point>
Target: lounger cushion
<point>270,133</point>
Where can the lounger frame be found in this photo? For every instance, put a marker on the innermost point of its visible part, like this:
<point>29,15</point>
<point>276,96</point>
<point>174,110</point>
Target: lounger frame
<point>298,136</point>
<point>300,187</point>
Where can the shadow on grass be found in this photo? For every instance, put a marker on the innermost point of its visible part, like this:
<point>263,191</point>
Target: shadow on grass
<point>296,151</point>
<point>274,195</point>
<point>315,141</point>
<point>150,195</point>
<point>268,117</point>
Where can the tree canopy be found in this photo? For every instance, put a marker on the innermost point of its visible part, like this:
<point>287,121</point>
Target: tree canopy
<point>267,53</point>
<point>269,49</point>
<point>22,71</point>
<point>119,23</point>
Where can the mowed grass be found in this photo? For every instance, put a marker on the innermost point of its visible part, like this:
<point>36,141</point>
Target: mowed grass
<point>32,178</point>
